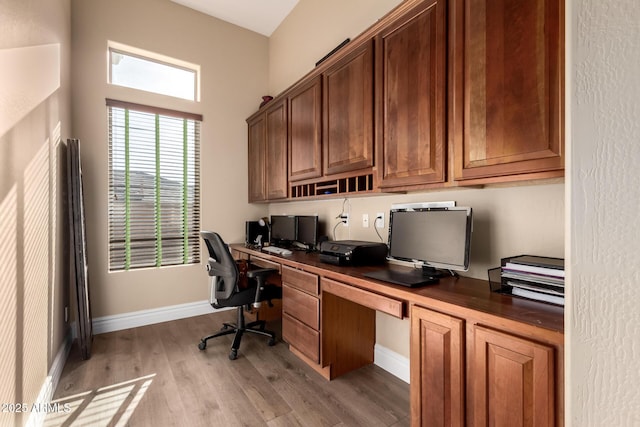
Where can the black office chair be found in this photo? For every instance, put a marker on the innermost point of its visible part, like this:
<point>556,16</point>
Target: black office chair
<point>226,291</point>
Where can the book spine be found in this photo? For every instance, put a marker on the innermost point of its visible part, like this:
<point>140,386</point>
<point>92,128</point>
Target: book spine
<point>558,300</point>
<point>531,277</point>
<point>553,263</point>
<point>552,272</point>
<point>536,287</point>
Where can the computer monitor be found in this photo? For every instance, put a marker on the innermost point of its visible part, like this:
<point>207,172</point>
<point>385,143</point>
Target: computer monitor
<point>432,237</point>
<point>283,229</point>
<point>256,234</point>
<point>308,230</point>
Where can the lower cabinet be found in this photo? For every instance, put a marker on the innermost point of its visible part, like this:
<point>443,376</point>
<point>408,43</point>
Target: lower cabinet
<point>300,323</point>
<point>513,380</point>
<point>332,334</point>
<point>437,369</point>
<point>465,373</point>
<point>301,312</point>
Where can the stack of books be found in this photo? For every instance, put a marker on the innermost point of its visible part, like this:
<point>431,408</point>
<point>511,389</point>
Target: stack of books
<point>534,277</point>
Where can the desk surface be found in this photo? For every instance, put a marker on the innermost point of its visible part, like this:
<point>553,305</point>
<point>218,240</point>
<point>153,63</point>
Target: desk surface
<point>462,292</point>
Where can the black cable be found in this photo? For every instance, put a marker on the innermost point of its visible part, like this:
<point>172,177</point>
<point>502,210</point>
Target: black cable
<point>334,229</point>
<point>375,227</point>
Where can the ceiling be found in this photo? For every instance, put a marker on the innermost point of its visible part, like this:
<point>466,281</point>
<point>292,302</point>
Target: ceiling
<point>261,16</point>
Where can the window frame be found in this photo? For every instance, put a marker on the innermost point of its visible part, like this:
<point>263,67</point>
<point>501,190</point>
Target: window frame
<point>126,246</point>
<point>149,56</point>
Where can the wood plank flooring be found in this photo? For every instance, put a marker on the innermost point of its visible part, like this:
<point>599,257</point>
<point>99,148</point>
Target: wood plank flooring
<point>156,376</point>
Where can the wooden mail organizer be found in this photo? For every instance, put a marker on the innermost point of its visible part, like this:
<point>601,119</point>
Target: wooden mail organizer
<point>477,357</point>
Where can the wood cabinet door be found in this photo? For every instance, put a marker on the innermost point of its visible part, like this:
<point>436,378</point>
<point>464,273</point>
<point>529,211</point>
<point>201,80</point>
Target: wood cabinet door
<point>513,380</point>
<point>276,151</point>
<point>437,369</point>
<point>257,155</point>
<point>410,85</point>
<point>305,131</point>
<point>301,306</point>
<point>348,112</point>
<point>507,94</point>
<point>305,339</point>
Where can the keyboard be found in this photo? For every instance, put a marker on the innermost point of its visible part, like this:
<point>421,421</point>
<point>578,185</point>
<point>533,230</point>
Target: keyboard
<point>276,250</point>
<point>410,279</point>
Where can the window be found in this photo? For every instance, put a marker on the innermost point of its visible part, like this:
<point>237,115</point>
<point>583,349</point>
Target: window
<point>154,186</point>
<point>138,69</point>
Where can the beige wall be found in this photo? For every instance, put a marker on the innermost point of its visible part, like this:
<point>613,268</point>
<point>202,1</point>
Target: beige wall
<point>508,220</point>
<point>602,317</point>
<point>35,117</point>
<point>234,68</point>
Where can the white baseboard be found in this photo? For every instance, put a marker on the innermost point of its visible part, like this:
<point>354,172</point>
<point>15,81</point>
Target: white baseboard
<point>135,319</point>
<point>392,362</point>
<point>37,417</point>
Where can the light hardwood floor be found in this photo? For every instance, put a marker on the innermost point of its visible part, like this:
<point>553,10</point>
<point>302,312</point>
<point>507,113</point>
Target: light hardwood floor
<point>156,376</point>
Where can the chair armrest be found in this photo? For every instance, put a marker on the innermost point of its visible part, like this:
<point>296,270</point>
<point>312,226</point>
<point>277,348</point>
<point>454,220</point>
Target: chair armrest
<point>260,272</point>
<point>260,275</point>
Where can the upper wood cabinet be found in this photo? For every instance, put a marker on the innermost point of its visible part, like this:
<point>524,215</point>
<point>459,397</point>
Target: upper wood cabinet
<point>438,93</point>
<point>507,88</point>
<point>276,158</point>
<point>268,153</point>
<point>257,154</point>
<point>411,90</point>
<point>348,112</point>
<point>305,131</point>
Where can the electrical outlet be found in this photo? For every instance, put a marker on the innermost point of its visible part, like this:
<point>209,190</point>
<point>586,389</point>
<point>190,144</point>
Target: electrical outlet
<point>379,220</point>
<point>365,220</point>
<point>345,219</point>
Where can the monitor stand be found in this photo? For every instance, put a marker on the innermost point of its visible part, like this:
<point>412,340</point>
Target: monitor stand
<point>427,270</point>
<point>284,244</point>
<point>301,247</point>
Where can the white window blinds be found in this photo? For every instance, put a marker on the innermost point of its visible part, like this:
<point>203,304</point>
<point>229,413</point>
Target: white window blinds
<point>154,186</point>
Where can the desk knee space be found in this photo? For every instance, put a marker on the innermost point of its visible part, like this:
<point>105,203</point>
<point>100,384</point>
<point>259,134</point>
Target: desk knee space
<point>348,334</point>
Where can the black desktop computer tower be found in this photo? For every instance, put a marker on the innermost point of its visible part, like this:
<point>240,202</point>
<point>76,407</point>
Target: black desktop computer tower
<point>256,234</point>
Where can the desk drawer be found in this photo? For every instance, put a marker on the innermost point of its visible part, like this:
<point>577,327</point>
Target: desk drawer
<point>263,263</point>
<point>302,337</point>
<point>301,280</point>
<point>302,306</point>
<point>368,299</point>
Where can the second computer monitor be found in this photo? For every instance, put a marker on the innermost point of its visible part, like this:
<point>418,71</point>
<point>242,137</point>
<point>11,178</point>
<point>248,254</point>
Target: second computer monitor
<point>308,231</point>
<point>283,229</point>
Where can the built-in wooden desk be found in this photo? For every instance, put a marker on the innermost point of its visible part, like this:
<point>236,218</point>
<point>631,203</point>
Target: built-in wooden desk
<point>475,356</point>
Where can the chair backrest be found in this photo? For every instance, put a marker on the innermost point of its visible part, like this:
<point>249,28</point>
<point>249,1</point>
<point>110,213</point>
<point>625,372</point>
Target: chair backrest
<point>222,266</point>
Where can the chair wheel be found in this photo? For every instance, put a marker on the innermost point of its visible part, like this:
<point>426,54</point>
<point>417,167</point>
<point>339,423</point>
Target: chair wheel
<point>233,355</point>
<point>271,342</point>
<point>202,345</point>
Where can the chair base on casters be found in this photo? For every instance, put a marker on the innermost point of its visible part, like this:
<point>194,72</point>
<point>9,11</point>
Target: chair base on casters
<point>239,328</point>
